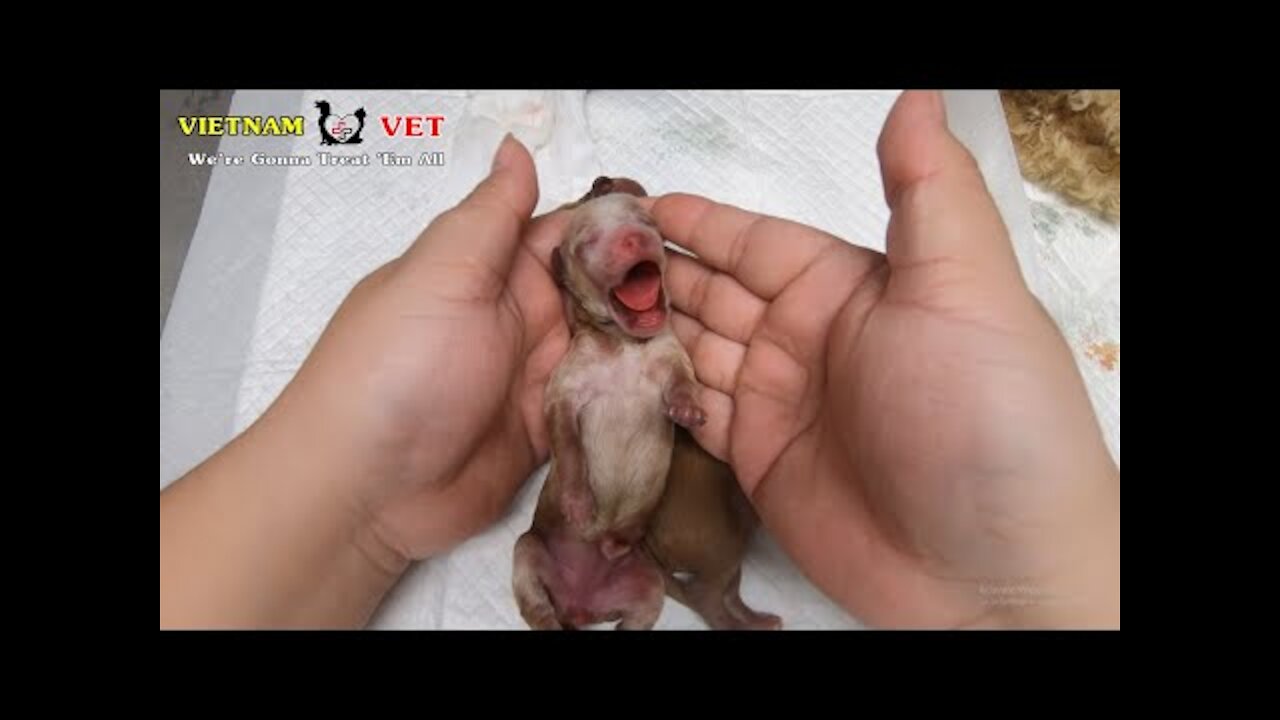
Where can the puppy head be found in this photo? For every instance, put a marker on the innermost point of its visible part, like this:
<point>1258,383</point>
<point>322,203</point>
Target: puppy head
<point>612,263</point>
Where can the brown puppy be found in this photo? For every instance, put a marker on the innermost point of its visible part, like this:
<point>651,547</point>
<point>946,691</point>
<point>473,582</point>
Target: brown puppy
<point>609,407</point>
<point>699,536</point>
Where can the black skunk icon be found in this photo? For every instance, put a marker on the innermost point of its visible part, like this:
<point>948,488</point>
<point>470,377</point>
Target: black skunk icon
<point>346,135</point>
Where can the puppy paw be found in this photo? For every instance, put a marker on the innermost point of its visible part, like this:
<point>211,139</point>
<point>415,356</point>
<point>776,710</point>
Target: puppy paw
<point>687,415</point>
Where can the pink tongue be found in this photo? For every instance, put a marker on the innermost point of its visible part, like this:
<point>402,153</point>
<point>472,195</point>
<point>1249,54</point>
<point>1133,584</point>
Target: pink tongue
<point>640,290</point>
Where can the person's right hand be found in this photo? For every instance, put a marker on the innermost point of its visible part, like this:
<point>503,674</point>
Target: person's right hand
<point>911,427</point>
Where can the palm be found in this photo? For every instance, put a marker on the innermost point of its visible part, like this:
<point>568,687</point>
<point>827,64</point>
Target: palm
<point>478,418</point>
<point>893,432</point>
<point>454,432</point>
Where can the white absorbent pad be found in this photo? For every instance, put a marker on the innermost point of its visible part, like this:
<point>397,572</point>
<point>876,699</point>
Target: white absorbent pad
<point>278,248</point>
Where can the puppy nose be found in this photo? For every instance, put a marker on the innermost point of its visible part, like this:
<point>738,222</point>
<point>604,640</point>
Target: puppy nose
<point>633,242</point>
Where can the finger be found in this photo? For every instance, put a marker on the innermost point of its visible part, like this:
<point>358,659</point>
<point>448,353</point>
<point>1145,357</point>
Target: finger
<point>714,298</point>
<point>483,231</point>
<point>763,253</point>
<point>941,209</point>
<point>716,359</point>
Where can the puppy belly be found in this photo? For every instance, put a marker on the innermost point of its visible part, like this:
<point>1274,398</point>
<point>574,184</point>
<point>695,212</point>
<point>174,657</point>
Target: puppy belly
<point>590,588</point>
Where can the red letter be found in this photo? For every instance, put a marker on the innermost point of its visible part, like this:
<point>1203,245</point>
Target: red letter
<point>413,126</point>
<point>388,127</point>
<point>435,124</point>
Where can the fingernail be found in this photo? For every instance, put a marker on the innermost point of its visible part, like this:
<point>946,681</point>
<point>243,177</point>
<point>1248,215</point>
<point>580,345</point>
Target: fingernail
<point>502,158</point>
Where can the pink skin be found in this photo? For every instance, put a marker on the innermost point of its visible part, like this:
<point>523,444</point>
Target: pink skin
<point>577,586</point>
<point>588,588</point>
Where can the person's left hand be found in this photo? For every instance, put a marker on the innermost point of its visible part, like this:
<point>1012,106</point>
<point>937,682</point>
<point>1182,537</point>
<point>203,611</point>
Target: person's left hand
<point>427,384</point>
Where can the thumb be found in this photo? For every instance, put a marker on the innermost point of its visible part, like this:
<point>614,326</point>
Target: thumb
<point>483,231</point>
<point>941,209</point>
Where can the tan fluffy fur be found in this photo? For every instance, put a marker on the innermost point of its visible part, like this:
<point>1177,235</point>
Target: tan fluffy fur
<point>1069,141</point>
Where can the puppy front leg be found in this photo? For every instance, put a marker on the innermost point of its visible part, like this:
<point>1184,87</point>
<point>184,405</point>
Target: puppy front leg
<point>681,394</point>
<point>573,488</point>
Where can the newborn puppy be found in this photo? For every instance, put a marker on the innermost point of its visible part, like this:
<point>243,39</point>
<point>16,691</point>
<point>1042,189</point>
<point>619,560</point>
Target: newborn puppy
<point>701,528</point>
<point>699,535</point>
<point>609,406</point>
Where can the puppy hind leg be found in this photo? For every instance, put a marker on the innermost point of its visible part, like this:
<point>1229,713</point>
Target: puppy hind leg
<point>532,569</point>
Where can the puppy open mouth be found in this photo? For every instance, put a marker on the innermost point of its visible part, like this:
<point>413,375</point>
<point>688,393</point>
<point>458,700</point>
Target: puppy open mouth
<point>639,297</point>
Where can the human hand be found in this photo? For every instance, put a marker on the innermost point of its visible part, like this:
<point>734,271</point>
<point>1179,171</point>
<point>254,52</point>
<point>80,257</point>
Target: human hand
<point>911,426</point>
<point>428,381</point>
<point>408,428</point>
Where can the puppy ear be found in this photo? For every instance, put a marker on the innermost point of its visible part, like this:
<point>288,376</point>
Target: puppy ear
<point>602,186</point>
<point>605,185</point>
<point>628,186</point>
<point>557,267</point>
